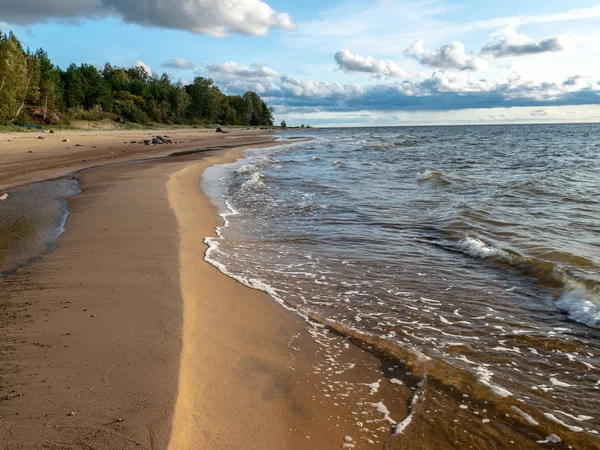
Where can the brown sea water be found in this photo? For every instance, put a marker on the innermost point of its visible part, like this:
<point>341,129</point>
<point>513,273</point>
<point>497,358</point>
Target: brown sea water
<point>469,255</point>
<point>31,219</point>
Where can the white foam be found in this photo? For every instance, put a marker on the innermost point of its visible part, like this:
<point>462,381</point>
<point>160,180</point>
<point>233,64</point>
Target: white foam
<point>554,419</point>
<point>381,408</point>
<point>556,382</point>
<point>446,321</point>
<point>580,418</point>
<point>401,427</point>
<point>580,305</point>
<point>374,387</point>
<point>476,247</point>
<point>256,180</point>
<point>530,420</point>
<point>552,439</point>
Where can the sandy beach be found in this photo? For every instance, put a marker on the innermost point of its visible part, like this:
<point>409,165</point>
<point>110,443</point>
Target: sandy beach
<point>123,337</point>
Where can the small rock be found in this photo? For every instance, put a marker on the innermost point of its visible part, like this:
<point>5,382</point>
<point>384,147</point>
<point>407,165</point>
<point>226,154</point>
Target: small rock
<point>65,140</point>
<point>3,196</point>
<point>94,315</point>
<point>41,137</point>
<point>51,131</point>
<point>71,414</point>
<point>78,145</point>
<point>133,142</point>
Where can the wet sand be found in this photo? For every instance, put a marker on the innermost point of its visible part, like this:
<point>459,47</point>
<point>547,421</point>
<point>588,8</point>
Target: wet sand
<point>30,157</point>
<point>123,337</point>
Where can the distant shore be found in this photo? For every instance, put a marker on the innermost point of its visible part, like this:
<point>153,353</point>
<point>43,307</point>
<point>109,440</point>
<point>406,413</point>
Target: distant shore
<point>123,337</point>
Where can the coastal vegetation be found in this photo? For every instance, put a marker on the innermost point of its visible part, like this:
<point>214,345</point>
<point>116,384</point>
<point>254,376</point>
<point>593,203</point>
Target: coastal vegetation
<point>33,90</point>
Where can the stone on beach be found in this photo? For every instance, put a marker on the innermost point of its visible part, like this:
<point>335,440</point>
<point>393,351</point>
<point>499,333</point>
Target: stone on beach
<point>3,196</point>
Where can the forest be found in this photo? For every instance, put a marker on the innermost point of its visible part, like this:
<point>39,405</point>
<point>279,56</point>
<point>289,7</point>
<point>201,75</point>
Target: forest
<point>34,90</point>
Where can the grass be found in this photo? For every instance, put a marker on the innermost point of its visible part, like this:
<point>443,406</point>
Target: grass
<point>15,129</point>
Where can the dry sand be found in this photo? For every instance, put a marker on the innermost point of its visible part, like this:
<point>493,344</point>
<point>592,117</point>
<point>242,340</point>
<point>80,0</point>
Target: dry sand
<point>123,337</point>
<point>25,158</point>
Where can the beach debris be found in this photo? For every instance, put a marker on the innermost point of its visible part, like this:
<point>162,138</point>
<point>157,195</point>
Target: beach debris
<point>3,196</point>
<point>158,140</point>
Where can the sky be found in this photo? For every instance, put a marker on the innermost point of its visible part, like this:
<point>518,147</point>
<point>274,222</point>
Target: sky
<point>346,63</point>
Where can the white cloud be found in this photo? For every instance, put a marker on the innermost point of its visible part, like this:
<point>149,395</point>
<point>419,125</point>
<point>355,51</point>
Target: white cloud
<point>228,70</point>
<point>508,42</point>
<point>536,19</point>
<point>178,63</point>
<point>213,17</point>
<point>451,56</point>
<point>542,112</point>
<point>352,62</point>
<point>315,89</point>
<point>146,67</point>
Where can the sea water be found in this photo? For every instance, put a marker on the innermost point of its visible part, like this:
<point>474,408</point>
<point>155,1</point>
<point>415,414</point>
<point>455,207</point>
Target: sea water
<point>470,253</point>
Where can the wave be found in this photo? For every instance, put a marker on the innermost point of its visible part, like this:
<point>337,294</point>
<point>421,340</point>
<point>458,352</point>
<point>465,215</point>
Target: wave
<point>579,296</point>
<point>433,176</point>
<point>580,305</point>
<point>246,169</point>
<point>476,247</point>
<point>257,180</point>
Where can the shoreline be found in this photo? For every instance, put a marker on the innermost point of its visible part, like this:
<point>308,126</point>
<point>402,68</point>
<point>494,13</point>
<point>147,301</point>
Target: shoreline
<point>242,331</point>
<point>91,352</point>
<point>38,157</point>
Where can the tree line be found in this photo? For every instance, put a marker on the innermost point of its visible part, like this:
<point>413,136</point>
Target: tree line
<point>33,89</point>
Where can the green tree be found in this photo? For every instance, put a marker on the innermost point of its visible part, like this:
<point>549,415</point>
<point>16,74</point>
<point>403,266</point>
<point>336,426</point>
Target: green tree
<point>13,76</point>
<point>180,100</point>
<point>30,83</point>
<point>203,100</point>
<point>50,87</point>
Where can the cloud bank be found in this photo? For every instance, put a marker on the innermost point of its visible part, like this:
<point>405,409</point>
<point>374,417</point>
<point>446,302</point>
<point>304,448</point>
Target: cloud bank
<point>213,17</point>
<point>352,62</point>
<point>509,42</point>
<point>228,70</point>
<point>442,91</point>
<point>451,56</point>
<point>504,43</point>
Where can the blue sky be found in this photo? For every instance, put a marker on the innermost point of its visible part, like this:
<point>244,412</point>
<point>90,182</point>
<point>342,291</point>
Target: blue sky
<point>377,62</point>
